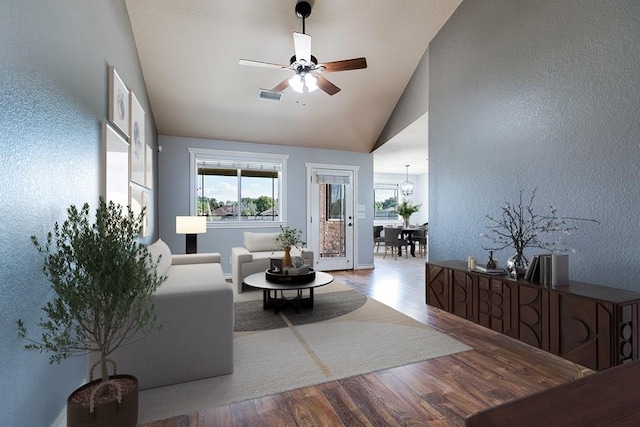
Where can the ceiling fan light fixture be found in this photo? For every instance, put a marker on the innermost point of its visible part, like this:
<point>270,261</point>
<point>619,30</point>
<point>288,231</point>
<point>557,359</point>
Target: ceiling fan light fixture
<point>303,83</point>
<point>311,82</point>
<point>296,83</point>
<point>406,188</point>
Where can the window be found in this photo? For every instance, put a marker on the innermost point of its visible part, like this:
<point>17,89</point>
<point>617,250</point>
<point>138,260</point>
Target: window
<point>385,199</point>
<point>236,187</point>
<point>335,202</point>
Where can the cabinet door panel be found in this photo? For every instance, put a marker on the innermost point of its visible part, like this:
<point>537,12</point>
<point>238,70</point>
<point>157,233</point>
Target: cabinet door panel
<point>627,333</point>
<point>484,301</point>
<point>578,334</point>
<point>438,287</point>
<point>463,298</point>
<point>530,316</point>
<point>503,308</point>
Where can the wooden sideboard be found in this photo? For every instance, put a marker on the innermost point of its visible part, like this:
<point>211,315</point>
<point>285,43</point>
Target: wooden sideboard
<point>594,326</point>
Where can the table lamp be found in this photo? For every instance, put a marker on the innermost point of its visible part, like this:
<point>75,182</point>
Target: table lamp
<point>191,226</point>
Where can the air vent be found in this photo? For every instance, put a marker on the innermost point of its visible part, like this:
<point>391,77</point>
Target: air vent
<point>267,94</point>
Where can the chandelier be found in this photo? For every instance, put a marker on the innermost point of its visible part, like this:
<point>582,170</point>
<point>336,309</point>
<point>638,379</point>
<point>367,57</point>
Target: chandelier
<point>406,188</point>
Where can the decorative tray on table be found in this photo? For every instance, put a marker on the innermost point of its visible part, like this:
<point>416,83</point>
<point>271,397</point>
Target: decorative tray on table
<point>284,276</point>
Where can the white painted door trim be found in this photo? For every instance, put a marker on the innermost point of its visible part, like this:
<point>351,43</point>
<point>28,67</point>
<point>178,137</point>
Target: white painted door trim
<point>354,197</point>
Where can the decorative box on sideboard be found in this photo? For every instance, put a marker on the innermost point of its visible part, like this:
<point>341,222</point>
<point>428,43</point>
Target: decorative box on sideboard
<point>594,326</point>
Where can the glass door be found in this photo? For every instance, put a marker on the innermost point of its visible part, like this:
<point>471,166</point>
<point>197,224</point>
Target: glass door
<point>331,222</point>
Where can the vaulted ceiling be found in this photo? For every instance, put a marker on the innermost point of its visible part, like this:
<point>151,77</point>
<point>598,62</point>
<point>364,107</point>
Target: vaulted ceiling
<point>189,52</point>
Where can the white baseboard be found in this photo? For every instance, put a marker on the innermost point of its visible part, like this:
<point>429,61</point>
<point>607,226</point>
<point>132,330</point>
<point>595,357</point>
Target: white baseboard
<point>61,420</point>
<point>365,267</point>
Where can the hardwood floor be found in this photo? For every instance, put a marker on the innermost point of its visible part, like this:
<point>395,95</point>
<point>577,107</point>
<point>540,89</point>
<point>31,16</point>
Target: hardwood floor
<point>436,392</point>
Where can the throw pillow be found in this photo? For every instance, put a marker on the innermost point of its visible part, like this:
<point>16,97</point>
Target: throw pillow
<point>260,242</point>
<point>157,249</point>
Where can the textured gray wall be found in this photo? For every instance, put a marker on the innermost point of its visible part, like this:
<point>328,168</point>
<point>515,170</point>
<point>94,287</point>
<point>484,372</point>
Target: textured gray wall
<point>53,98</point>
<point>173,190</point>
<point>539,94</point>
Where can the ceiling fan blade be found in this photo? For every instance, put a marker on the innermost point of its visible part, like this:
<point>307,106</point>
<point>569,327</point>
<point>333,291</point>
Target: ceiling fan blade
<point>281,86</point>
<point>302,45</point>
<point>344,65</point>
<point>326,85</point>
<point>262,64</point>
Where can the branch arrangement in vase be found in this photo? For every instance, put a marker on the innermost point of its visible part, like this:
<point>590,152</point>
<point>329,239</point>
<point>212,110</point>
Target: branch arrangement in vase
<point>519,227</point>
<point>289,238</point>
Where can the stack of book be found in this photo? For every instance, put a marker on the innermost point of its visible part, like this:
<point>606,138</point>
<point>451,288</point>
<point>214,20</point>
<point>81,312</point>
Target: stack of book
<point>487,270</point>
<point>549,270</point>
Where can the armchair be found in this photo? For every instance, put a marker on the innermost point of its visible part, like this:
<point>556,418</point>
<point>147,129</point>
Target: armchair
<point>254,256</point>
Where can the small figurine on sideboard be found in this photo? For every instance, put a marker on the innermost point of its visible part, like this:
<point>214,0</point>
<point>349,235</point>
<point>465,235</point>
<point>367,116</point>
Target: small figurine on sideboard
<point>492,263</point>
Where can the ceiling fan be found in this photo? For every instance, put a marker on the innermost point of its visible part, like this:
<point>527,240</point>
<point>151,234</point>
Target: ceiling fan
<point>307,70</point>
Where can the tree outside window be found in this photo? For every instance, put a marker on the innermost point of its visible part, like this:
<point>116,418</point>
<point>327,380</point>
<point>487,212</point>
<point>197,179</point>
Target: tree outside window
<point>385,198</point>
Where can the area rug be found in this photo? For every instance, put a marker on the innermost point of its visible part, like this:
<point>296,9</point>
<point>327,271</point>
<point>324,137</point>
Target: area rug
<point>364,336</point>
<point>250,315</point>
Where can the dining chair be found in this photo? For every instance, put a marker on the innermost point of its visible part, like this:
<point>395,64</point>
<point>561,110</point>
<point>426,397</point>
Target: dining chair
<point>420,238</point>
<point>393,242</point>
<point>378,236</point>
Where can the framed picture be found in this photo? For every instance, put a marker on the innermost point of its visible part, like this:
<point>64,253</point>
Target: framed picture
<point>116,166</point>
<point>148,168</point>
<point>139,201</point>
<point>118,102</point>
<point>146,224</point>
<point>137,141</point>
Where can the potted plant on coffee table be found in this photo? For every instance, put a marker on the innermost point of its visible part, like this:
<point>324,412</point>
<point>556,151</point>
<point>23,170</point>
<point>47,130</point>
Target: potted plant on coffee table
<point>103,281</point>
<point>287,239</point>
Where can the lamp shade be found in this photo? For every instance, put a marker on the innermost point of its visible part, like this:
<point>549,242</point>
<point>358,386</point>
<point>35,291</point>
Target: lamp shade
<point>191,224</point>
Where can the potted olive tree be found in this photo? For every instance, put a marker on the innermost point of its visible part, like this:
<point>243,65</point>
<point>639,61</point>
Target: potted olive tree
<point>286,239</point>
<point>103,281</point>
<point>406,209</point>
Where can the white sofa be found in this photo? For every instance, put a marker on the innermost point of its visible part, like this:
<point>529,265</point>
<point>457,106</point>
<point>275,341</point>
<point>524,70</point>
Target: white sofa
<point>254,256</point>
<point>195,308</point>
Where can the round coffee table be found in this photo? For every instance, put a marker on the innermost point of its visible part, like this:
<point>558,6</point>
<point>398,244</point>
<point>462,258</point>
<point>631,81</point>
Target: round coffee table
<point>269,300</point>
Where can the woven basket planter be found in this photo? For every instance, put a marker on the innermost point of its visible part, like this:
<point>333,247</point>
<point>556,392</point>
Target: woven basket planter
<point>121,410</point>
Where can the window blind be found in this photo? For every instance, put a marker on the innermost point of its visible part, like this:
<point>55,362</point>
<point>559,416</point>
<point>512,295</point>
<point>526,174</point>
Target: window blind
<point>332,178</point>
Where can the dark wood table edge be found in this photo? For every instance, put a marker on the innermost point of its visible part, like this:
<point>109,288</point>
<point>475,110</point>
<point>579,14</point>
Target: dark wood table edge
<point>604,398</point>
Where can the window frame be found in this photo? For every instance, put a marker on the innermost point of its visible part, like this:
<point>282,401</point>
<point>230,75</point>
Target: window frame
<point>203,153</point>
<point>329,200</point>
<point>386,186</point>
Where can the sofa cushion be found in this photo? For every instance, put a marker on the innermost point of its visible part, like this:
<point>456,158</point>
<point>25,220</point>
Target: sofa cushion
<point>160,249</point>
<point>201,258</point>
<point>259,242</point>
<point>198,275</point>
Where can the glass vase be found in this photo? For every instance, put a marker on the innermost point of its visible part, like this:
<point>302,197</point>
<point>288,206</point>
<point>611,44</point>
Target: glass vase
<point>517,265</point>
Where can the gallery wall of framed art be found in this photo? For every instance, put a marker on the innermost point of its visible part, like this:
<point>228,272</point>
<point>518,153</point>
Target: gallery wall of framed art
<point>128,159</point>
